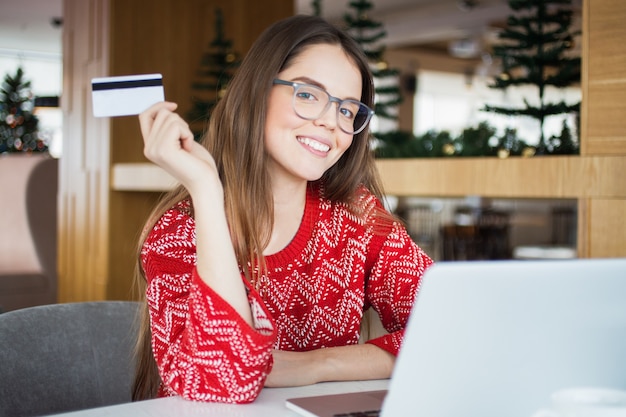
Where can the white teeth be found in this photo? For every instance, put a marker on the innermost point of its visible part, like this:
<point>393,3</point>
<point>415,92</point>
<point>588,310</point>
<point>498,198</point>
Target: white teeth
<point>314,144</point>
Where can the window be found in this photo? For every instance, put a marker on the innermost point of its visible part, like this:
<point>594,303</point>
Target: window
<point>452,102</point>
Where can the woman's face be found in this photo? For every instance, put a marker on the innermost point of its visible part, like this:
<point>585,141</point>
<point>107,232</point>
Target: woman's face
<point>302,149</point>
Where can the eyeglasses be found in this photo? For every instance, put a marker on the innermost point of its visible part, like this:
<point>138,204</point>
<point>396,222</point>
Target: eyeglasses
<point>310,102</point>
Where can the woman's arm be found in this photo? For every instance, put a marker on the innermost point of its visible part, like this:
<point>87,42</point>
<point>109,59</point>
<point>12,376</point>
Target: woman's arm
<point>393,285</point>
<point>204,350</point>
<point>343,363</point>
<point>216,262</point>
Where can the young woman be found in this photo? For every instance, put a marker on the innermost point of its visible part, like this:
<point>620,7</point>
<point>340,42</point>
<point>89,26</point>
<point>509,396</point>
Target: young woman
<point>259,267</point>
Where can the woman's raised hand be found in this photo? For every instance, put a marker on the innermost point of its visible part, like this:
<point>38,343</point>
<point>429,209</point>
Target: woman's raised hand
<point>169,143</point>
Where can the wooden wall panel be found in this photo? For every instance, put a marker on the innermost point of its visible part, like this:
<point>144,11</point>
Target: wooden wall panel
<point>607,237</point>
<point>606,33</point>
<point>607,115</point>
<point>606,120</point>
<point>538,177</point>
<point>603,125</point>
<point>601,227</point>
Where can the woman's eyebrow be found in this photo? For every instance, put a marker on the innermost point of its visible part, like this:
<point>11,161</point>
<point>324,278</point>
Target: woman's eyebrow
<point>311,81</point>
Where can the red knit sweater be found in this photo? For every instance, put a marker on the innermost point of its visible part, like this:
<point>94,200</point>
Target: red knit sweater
<point>313,296</point>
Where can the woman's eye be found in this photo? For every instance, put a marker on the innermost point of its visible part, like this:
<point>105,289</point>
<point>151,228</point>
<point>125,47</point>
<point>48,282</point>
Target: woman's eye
<point>306,96</point>
<point>347,113</point>
<point>349,109</point>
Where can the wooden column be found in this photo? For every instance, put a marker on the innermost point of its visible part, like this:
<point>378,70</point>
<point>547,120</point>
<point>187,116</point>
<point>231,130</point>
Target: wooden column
<point>83,168</point>
<point>602,230</point>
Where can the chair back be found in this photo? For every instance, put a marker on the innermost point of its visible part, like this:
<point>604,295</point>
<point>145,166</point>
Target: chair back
<point>64,357</point>
<point>28,242</point>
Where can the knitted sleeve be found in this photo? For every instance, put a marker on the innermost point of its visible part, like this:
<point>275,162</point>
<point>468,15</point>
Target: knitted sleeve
<point>393,284</point>
<point>204,350</point>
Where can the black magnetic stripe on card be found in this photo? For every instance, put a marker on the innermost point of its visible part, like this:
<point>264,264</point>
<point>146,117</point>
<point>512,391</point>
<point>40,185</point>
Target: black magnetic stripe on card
<point>114,85</point>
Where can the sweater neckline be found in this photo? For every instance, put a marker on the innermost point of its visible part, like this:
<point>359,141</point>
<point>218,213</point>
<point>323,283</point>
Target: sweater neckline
<point>295,247</point>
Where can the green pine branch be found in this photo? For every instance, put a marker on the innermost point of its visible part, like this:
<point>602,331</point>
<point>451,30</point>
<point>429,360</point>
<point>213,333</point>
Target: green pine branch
<point>369,35</point>
<point>361,5</point>
<point>541,112</point>
<point>392,89</point>
<point>518,5</point>
<point>385,104</point>
<point>387,72</point>
<point>15,90</point>
<point>534,51</point>
<point>217,67</point>
<point>317,7</point>
<point>19,127</point>
<point>211,86</point>
<point>363,39</point>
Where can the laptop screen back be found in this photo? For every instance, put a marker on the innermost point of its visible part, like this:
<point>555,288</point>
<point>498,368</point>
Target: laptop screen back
<point>498,338</point>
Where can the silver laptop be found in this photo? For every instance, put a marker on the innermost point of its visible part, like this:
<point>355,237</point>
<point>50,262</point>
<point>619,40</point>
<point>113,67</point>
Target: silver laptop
<point>494,339</point>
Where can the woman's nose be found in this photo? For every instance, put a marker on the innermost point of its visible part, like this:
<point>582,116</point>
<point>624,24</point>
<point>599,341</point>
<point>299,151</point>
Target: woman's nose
<point>329,117</point>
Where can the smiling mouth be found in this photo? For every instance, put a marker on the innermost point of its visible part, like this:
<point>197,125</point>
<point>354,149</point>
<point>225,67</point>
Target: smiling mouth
<point>318,146</point>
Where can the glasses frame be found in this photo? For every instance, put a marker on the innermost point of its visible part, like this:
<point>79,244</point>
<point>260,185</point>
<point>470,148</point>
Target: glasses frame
<point>331,99</point>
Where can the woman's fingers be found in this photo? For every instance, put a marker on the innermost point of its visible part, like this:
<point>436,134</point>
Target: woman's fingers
<point>170,143</point>
<point>163,131</point>
<point>147,117</point>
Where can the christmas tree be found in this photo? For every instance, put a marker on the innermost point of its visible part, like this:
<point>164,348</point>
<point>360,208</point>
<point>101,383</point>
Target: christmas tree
<point>565,144</point>
<point>217,69</point>
<point>368,33</point>
<point>317,7</point>
<point>18,125</point>
<point>535,52</point>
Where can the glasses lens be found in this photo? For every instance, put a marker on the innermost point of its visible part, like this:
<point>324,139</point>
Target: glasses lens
<point>310,102</point>
<point>352,116</point>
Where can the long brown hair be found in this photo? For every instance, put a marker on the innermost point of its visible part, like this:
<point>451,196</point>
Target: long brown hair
<point>235,139</point>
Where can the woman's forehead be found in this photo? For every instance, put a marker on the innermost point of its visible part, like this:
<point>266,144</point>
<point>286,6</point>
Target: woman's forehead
<point>330,66</point>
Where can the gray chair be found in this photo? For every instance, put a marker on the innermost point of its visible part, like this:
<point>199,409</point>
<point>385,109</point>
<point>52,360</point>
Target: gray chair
<point>64,357</point>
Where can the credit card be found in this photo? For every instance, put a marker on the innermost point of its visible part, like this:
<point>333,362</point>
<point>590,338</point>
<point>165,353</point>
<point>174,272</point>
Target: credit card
<point>125,95</point>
